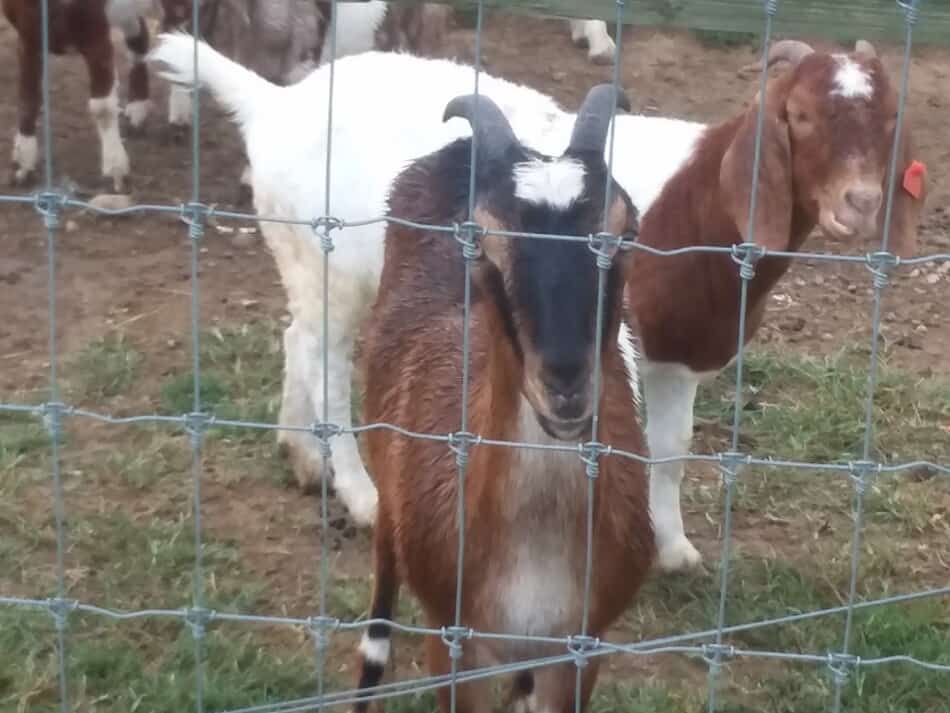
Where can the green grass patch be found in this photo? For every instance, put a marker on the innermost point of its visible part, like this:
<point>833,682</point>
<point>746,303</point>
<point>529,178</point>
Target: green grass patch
<point>24,442</point>
<point>104,369</point>
<point>724,39</point>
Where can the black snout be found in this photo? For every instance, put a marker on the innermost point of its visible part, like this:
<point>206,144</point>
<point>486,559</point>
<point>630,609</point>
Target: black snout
<point>567,390</point>
<point>864,200</point>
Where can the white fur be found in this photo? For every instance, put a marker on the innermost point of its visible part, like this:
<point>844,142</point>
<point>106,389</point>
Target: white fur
<point>557,183</point>
<point>26,153</point>
<point>540,599</point>
<point>115,161</point>
<point>356,25</point>
<point>851,81</point>
<point>670,391</point>
<point>601,47</point>
<point>137,111</point>
<point>179,106</point>
<point>374,650</point>
<point>628,351</point>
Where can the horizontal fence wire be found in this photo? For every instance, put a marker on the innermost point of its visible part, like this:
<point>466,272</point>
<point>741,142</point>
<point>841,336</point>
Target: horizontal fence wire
<point>709,644</point>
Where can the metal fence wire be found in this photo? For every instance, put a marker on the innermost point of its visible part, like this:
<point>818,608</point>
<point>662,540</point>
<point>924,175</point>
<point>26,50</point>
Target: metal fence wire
<point>51,204</point>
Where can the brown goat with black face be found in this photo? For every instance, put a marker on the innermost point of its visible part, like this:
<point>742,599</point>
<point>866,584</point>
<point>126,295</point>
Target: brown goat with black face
<point>829,127</point>
<point>532,362</point>
<point>82,26</point>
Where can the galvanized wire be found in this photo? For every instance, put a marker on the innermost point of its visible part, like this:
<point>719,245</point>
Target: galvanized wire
<point>709,645</point>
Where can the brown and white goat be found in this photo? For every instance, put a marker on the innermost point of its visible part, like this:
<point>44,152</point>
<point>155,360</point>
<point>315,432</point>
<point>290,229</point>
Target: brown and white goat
<point>533,355</point>
<point>829,127</point>
<point>83,26</point>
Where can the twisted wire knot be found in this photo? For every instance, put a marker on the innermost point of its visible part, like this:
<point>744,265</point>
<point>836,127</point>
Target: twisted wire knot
<point>605,247</point>
<point>196,423</point>
<point>197,619</point>
<point>60,610</point>
<point>52,414</point>
<point>452,637</point>
<point>590,454</point>
<point>746,255</point>
<point>324,432</point>
<point>730,463</point>
<point>880,264</point>
<point>50,205</point>
<point>580,647</point>
<point>322,227</point>
<point>469,235</point>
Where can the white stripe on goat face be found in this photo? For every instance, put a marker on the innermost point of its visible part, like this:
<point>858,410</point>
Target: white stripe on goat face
<point>558,182</point>
<point>851,80</point>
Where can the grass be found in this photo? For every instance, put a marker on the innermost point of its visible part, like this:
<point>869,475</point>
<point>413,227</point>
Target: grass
<point>131,546</point>
<point>104,369</point>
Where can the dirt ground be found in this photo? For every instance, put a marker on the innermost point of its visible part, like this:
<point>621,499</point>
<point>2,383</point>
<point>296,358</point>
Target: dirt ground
<point>132,274</point>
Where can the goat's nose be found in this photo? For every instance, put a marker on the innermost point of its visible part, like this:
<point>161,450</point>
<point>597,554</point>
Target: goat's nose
<point>865,200</point>
<point>566,391</point>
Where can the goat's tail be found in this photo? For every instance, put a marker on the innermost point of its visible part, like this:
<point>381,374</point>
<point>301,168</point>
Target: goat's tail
<point>237,89</point>
<point>375,644</point>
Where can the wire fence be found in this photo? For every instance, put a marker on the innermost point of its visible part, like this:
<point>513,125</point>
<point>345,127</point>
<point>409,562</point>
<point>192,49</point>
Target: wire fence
<point>708,644</point>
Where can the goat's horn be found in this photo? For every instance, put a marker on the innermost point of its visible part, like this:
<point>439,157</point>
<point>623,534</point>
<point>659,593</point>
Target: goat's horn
<point>494,135</point>
<point>865,48</point>
<point>791,51</point>
<point>593,118</point>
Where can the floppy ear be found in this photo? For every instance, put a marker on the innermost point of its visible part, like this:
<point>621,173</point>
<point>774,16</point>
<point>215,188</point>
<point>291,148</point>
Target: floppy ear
<point>773,218</point>
<point>910,192</point>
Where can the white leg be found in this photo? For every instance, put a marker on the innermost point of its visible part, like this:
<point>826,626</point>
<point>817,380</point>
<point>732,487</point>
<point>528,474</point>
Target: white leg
<point>26,153</point>
<point>669,391</point>
<point>601,46</point>
<point>577,30</point>
<point>350,478</point>
<point>179,106</point>
<point>137,112</point>
<point>115,161</point>
<point>296,408</point>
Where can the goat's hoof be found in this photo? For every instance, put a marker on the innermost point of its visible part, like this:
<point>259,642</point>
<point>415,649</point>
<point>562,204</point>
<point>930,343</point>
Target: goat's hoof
<point>117,184</point>
<point>604,56</point>
<point>21,177</point>
<point>678,555</point>
<point>361,505</point>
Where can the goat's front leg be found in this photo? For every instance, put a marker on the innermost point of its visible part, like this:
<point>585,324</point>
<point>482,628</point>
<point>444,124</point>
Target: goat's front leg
<point>593,33</point>
<point>555,688</point>
<point>670,392</point>
<point>138,106</point>
<point>25,146</point>
<point>104,106</point>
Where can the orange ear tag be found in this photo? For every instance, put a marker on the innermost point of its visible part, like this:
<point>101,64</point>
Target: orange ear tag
<point>914,178</point>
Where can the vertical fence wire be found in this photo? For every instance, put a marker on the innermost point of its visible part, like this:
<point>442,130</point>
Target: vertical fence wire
<point>50,208</point>
<point>731,461</point>
<point>197,422</point>
<point>863,471</point>
<point>49,202</point>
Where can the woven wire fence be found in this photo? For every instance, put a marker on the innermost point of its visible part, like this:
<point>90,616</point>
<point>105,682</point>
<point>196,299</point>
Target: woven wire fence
<point>708,644</point>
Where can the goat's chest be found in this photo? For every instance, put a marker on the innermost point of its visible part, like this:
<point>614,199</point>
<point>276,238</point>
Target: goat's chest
<point>537,574</point>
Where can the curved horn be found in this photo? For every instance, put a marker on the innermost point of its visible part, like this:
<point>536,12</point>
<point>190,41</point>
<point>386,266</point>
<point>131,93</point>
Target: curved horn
<point>863,47</point>
<point>791,51</point>
<point>593,118</point>
<point>494,135</point>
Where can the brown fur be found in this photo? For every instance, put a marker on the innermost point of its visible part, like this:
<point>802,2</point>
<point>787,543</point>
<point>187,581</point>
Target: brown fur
<point>686,307</point>
<point>413,364</point>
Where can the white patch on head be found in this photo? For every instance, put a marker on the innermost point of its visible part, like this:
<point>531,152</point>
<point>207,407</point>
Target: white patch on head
<point>374,650</point>
<point>851,81</point>
<point>526,704</point>
<point>557,183</point>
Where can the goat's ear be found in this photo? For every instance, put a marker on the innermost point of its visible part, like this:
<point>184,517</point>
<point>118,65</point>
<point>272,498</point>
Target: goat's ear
<point>774,204</point>
<point>910,192</point>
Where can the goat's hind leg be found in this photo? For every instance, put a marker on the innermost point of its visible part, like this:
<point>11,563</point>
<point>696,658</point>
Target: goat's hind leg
<point>25,145</point>
<point>139,104</point>
<point>97,50</point>
<point>670,392</point>
<point>296,408</point>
